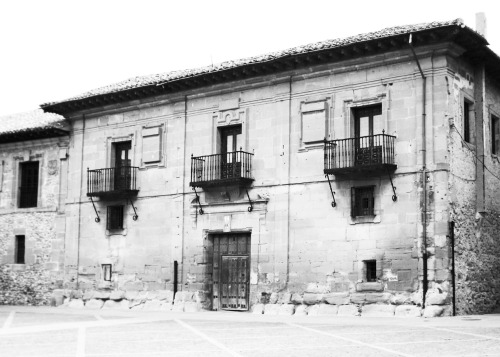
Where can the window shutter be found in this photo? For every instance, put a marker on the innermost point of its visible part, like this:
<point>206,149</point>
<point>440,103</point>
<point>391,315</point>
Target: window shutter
<point>151,145</point>
<point>114,217</point>
<point>353,202</point>
<point>313,121</point>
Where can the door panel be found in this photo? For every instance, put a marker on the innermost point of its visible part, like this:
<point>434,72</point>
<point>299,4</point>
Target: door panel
<point>122,179</point>
<point>230,143</point>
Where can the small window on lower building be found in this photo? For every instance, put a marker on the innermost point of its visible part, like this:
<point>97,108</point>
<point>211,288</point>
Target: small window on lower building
<point>114,217</point>
<point>362,201</point>
<point>20,249</point>
<point>371,270</point>
<point>495,135</point>
<point>106,272</point>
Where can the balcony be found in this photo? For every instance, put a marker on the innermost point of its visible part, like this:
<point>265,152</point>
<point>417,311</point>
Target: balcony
<point>373,154</point>
<point>232,168</point>
<point>114,182</point>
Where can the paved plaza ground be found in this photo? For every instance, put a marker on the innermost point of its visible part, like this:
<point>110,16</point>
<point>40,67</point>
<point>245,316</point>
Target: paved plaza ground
<point>57,332</point>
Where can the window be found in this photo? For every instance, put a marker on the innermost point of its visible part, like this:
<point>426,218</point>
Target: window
<point>20,249</point>
<point>114,217</point>
<point>367,121</point>
<point>362,201</point>
<point>371,270</point>
<point>468,122</point>
<point>230,143</point>
<point>122,178</point>
<point>495,135</point>
<point>314,118</point>
<point>151,145</point>
<point>28,190</point>
<point>106,272</point>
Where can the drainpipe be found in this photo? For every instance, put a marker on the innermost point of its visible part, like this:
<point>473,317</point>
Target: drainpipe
<point>80,207</point>
<point>424,176</point>
<point>451,229</point>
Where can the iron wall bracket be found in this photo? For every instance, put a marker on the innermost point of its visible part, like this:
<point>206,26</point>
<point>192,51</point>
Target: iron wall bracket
<point>250,209</point>
<point>97,219</point>
<point>394,196</point>
<point>200,210</point>
<point>334,203</point>
<point>135,216</point>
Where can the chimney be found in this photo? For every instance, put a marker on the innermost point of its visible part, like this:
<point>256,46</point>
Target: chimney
<point>481,24</point>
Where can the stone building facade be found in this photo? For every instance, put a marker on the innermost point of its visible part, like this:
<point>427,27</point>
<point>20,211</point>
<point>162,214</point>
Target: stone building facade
<point>33,149</point>
<point>343,177</point>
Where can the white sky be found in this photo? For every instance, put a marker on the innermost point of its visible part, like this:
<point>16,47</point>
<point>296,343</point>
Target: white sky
<point>54,49</point>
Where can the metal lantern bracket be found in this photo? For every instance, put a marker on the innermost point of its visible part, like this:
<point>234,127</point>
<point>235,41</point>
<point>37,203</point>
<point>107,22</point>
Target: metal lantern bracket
<point>97,219</point>
<point>250,209</point>
<point>135,216</point>
<point>334,204</point>
<point>394,196</point>
<point>200,210</point>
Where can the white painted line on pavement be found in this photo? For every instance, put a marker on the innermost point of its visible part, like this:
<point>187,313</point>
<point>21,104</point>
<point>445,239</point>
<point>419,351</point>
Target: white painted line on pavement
<point>464,333</point>
<point>351,340</point>
<point>209,339</point>
<point>80,342</point>
<point>9,320</point>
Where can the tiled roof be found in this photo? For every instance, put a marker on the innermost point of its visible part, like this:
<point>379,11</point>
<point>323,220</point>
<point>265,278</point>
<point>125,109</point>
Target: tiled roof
<point>34,120</point>
<point>158,79</point>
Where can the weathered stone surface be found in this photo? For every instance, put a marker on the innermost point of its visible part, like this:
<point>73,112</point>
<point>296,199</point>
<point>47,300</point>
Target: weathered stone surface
<point>348,310</point>
<point>357,298</point>
<point>131,295</point>
<point>311,299</point>
<point>138,307</point>
<point>166,295</point>
<point>87,295</point>
<point>312,310</point>
<point>76,294</point>
<point>142,295</point>
<point>273,299</point>
<point>325,309</point>
<point>117,295</point>
<point>166,305</point>
<point>436,298</point>
<point>178,306</point>
<point>433,311</point>
<point>407,311</point>
<point>116,305</point>
<point>76,304</point>
<point>297,299</point>
<point>94,304</point>
<point>373,298</point>
<point>184,296</point>
<point>135,302</point>
<point>400,299</point>
<point>101,295</point>
<point>152,295</point>
<point>301,310</point>
<point>285,298</point>
<point>378,310</point>
<point>286,309</point>
<point>315,288</point>
<point>191,306</point>
<point>336,298</point>
<point>258,309</point>
<point>416,298</point>
<point>271,309</point>
<point>152,305</point>
<point>199,297</point>
<point>371,286</point>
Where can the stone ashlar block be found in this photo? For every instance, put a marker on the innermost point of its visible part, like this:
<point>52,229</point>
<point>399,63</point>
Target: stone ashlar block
<point>102,295</point>
<point>370,286</point>
<point>325,309</point>
<point>87,295</point>
<point>135,302</point>
<point>273,299</point>
<point>166,295</point>
<point>152,295</point>
<point>271,309</point>
<point>297,299</point>
<point>315,288</point>
<point>312,310</point>
<point>191,306</point>
<point>131,295</point>
<point>166,306</point>
<point>376,310</point>
<point>400,299</point>
<point>407,311</point>
<point>94,304</point>
<point>137,307</point>
<point>178,306</point>
<point>301,310</point>
<point>357,298</point>
<point>311,299</point>
<point>258,309</point>
<point>285,298</point>
<point>116,305</point>
<point>348,310</point>
<point>286,309</point>
<point>117,295</point>
<point>184,296</point>
<point>336,298</point>
<point>152,305</point>
<point>433,311</point>
<point>76,304</point>
<point>374,298</point>
<point>436,299</point>
<point>133,285</point>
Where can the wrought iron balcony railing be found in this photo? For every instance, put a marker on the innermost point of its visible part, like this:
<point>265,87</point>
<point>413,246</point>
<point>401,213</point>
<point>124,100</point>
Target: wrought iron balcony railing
<point>221,169</point>
<point>114,181</point>
<point>371,153</point>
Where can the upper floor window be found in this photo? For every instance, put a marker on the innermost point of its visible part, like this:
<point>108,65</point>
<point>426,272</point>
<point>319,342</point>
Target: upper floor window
<point>362,201</point>
<point>367,120</point>
<point>495,135</point>
<point>314,121</point>
<point>468,116</point>
<point>114,219</point>
<point>28,188</point>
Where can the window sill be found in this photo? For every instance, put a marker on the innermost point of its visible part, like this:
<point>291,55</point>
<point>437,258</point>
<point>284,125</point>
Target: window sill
<point>364,219</point>
<point>116,232</point>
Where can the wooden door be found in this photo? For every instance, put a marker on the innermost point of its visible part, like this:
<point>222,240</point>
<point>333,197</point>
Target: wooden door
<point>231,271</point>
<point>367,123</point>
<point>122,176</point>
